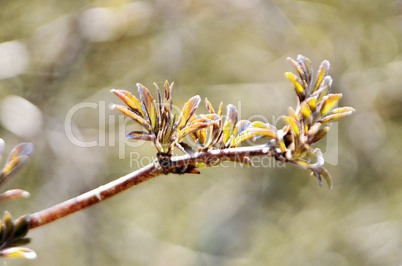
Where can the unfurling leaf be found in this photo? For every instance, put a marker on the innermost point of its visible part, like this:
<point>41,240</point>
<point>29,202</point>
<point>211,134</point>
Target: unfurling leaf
<point>305,110</point>
<point>324,89</point>
<point>241,126</point>
<point>12,165</point>
<point>339,110</point>
<point>22,149</point>
<point>298,86</point>
<point>336,114</point>
<point>148,105</point>
<point>198,124</point>
<point>293,125</point>
<point>303,68</point>
<point>321,133</point>
<point>209,106</point>
<point>259,129</point>
<point>329,103</point>
<point>228,126</point>
<point>188,110</point>
<point>130,100</point>
<point>240,133</point>
<point>17,158</point>
<point>167,103</point>
<point>126,111</point>
<point>192,128</point>
<point>322,73</point>
<point>140,135</point>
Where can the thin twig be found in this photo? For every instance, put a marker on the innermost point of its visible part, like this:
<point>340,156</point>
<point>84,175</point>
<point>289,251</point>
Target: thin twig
<point>121,184</point>
<point>94,196</point>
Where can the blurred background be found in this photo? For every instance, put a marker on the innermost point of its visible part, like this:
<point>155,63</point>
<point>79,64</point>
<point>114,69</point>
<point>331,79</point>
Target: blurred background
<point>59,60</point>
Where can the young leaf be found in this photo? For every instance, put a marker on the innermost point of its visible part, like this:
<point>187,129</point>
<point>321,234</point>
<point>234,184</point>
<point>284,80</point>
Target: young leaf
<point>337,113</point>
<point>312,102</point>
<point>240,133</point>
<point>305,110</point>
<point>22,149</point>
<point>188,110</point>
<point>192,128</point>
<point>148,105</point>
<point>140,135</point>
<point>126,111</point>
<point>322,72</point>
<point>209,106</point>
<point>329,103</point>
<point>297,85</point>
<point>130,100</point>
<point>346,109</point>
<point>229,124</point>
<point>168,92</point>
<point>259,129</point>
<point>306,67</point>
<point>294,125</point>
<point>333,117</point>
<point>324,88</point>
<point>18,156</point>
<point>321,133</point>
<point>298,65</point>
<point>241,126</point>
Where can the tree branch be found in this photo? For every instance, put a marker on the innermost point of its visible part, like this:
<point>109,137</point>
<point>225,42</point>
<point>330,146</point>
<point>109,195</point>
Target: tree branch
<point>94,196</point>
<point>121,184</point>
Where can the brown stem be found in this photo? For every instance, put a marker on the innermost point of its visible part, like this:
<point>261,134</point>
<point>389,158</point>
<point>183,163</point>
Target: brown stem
<point>152,170</point>
<point>94,196</point>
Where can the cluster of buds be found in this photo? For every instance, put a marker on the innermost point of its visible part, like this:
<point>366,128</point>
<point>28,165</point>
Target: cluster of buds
<point>304,126</point>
